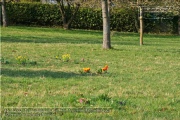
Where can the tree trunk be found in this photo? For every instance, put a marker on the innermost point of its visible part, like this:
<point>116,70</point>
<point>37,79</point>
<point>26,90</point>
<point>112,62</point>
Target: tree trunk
<point>43,1</point>
<point>67,23</point>
<point>4,17</point>
<point>65,11</point>
<point>106,25</point>
<point>66,26</point>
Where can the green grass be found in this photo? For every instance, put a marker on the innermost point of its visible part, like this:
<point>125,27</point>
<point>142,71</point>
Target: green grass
<point>142,82</point>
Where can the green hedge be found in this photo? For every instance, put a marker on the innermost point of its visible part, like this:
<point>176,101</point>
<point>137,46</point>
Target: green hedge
<point>124,19</point>
<point>49,15</point>
<point>88,19</point>
<point>33,14</point>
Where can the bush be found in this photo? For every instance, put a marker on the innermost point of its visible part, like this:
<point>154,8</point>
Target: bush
<point>33,14</point>
<point>123,20</point>
<point>88,19</point>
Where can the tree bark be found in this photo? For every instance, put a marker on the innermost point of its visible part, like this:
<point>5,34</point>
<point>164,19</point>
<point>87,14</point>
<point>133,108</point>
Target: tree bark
<point>4,17</point>
<point>67,24</point>
<point>43,1</point>
<point>106,25</point>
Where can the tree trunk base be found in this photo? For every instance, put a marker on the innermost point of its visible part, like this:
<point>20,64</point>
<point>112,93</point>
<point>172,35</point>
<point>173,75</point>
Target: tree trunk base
<point>66,26</point>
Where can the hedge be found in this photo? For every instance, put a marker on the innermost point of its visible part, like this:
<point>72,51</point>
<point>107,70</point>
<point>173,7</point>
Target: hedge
<point>124,19</point>
<point>33,14</point>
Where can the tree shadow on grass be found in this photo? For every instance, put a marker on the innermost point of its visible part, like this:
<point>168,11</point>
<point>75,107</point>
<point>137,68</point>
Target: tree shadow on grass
<point>38,35</point>
<point>129,43</point>
<point>37,73</point>
<point>57,30</point>
<point>70,40</point>
<point>161,36</point>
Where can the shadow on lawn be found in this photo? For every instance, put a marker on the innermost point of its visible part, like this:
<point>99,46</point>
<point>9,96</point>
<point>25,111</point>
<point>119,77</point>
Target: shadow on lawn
<point>57,30</point>
<point>66,36</point>
<point>71,40</point>
<point>37,73</point>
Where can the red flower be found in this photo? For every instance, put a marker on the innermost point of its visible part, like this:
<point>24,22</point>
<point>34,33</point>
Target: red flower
<point>105,68</point>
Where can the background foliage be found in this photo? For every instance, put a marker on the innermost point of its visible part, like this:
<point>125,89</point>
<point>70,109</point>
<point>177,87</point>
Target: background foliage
<point>122,19</point>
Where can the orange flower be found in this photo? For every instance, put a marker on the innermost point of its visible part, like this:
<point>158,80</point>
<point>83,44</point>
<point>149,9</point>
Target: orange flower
<point>105,68</point>
<point>86,69</point>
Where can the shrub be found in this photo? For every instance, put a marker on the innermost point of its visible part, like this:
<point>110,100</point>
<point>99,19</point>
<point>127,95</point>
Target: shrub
<point>33,14</point>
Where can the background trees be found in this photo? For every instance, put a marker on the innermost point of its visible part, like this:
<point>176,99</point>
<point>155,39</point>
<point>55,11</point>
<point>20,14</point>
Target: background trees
<point>119,5</point>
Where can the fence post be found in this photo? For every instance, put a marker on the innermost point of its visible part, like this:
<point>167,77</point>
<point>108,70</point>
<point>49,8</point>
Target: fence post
<point>141,25</point>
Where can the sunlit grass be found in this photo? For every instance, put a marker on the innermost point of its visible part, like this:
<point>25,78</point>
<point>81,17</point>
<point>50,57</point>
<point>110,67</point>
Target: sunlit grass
<point>142,82</point>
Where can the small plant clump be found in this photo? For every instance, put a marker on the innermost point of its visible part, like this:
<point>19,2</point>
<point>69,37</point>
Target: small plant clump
<point>21,60</point>
<point>24,60</point>
<point>4,61</point>
<point>102,70</point>
<point>99,71</point>
<point>66,57</point>
<point>33,62</point>
<point>57,57</point>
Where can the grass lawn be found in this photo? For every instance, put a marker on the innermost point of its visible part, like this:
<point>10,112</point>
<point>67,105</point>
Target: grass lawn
<point>142,82</point>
